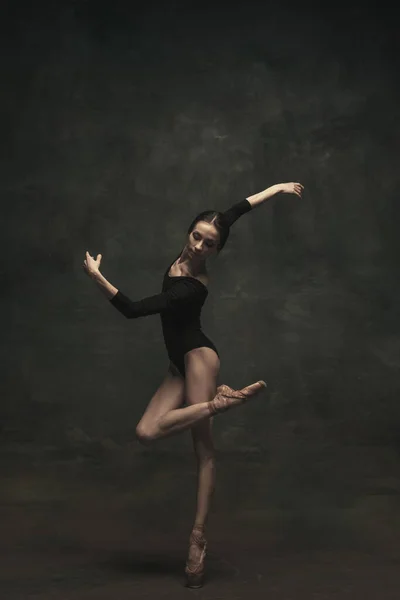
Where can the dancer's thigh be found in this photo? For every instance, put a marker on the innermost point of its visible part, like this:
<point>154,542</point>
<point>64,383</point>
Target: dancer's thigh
<point>168,396</point>
<point>202,369</point>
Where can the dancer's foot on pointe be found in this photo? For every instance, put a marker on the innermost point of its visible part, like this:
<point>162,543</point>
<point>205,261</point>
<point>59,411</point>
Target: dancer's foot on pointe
<point>195,562</point>
<point>227,397</point>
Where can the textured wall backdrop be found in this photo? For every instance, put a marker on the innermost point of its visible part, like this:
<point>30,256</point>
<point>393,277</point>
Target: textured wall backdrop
<point>121,125</point>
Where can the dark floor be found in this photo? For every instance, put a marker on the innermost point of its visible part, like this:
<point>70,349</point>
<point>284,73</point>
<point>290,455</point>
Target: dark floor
<point>78,532</point>
<point>154,569</point>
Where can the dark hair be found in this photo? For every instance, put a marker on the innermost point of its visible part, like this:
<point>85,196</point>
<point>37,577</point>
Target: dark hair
<point>214,217</point>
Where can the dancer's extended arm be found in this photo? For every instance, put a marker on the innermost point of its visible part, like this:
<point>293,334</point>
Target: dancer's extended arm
<point>286,188</point>
<point>243,206</point>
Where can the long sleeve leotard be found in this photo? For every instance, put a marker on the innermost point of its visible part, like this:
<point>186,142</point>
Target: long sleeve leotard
<point>179,305</point>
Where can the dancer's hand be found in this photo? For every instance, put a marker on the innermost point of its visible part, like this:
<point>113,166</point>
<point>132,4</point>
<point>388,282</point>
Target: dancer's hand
<point>292,188</point>
<point>90,265</point>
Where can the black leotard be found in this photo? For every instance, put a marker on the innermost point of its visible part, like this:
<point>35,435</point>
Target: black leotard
<point>179,305</point>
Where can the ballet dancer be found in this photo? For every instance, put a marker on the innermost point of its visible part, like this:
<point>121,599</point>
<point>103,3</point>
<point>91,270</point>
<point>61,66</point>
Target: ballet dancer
<point>194,360</point>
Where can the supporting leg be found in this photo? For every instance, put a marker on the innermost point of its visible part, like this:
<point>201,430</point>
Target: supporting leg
<point>206,470</point>
<point>206,476</point>
<point>201,383</point>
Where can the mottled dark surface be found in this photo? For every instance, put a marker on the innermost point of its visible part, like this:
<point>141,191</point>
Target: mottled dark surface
<point>119,126</point>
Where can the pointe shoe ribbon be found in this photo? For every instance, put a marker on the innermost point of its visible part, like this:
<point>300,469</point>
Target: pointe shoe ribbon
<point>227,397</point>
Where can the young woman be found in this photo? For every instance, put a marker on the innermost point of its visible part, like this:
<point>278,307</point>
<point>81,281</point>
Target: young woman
<point>194,359</point>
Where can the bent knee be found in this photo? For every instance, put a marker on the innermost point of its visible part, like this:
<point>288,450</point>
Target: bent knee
<point>144,435</point>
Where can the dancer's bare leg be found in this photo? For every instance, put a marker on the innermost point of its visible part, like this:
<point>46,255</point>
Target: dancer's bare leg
<point>164,417</point>
<point>171,422</point>
<point>206,472</point>
<point>204,450</point>
<point>160,422</point>
<point>202,369</point>
<point>177,420</point>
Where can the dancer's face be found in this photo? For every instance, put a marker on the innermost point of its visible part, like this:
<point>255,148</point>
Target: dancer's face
<point>202,241</point>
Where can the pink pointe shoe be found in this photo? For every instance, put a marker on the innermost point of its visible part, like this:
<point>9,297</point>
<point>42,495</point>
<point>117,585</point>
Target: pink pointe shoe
<point>227,397</point>
<point>195,562</point>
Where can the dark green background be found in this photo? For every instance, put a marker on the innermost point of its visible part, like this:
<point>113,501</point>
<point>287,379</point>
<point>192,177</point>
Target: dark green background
<point>120,125</point>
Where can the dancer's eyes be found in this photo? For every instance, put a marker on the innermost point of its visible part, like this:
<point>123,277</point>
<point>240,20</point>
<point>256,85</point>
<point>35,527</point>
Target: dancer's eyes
<point>198,237</point>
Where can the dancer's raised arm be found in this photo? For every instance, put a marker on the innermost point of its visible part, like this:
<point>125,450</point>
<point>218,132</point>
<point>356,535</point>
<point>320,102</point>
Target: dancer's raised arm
<point>243,206</point>
<point>286,188</point>
<point>92,269</point>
